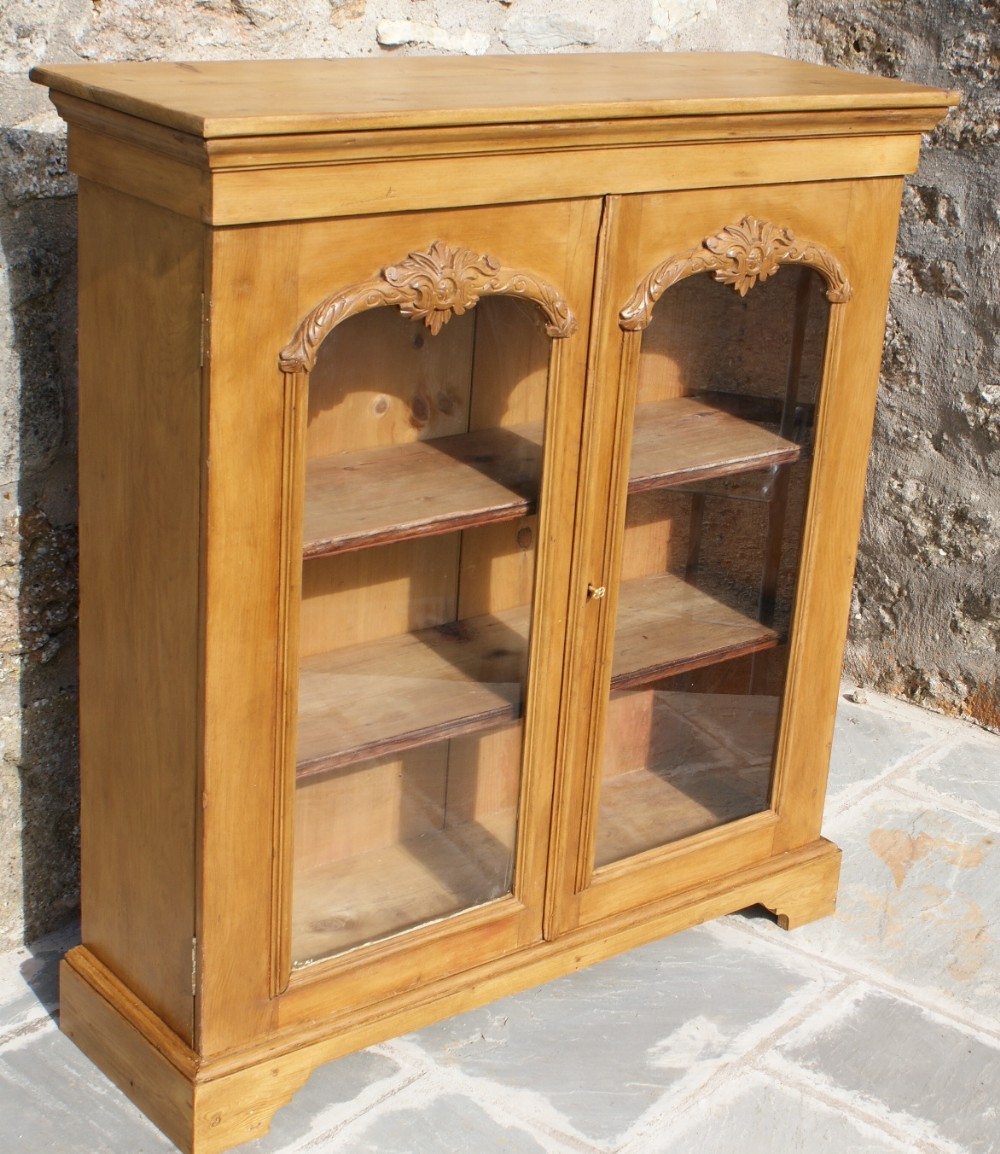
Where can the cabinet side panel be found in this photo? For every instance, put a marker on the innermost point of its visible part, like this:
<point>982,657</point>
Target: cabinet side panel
<point>834,516</point>
<point>140,444</point>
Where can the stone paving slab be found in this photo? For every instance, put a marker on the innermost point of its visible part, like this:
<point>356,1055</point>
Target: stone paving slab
<point>593,1052</point>
<point>918,904</point>
<point>439,1122</point>
<point>333,1099</point>
<point>967,774</point>
<point>917,1070</point>
<point>53,1100</point>
<point>868,743</point>
<point>29,983</point>
<point>753,1112</point>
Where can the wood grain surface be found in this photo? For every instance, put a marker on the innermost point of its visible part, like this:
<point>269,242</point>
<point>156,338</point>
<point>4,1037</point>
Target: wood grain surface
<point>276,97</point>
<point>377,698</point>
<point>375,496</point>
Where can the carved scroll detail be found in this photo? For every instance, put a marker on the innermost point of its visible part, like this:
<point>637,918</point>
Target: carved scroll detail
<point>431,286</point>
<point>740,255</point>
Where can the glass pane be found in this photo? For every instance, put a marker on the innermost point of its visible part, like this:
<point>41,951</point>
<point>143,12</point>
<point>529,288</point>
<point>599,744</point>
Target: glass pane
<point>422,482</point>
<point>718,482</point>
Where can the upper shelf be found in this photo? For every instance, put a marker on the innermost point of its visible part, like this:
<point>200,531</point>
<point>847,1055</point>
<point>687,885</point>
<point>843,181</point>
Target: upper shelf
<point>376,496</point>
<point>692,439</point>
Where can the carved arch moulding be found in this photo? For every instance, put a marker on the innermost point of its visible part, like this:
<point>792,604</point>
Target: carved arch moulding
<point>739,255</point>
<point>431,286</point>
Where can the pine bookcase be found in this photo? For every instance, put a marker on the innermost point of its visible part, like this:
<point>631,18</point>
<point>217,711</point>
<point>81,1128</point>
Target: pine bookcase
<point>471,463</point>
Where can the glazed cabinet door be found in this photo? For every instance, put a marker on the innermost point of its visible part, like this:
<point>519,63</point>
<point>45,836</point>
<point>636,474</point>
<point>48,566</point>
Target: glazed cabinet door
<point>429,371</point>
<point>716,587</point>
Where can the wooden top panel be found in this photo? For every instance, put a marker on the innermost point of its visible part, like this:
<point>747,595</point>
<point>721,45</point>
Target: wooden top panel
<point>273,97</point>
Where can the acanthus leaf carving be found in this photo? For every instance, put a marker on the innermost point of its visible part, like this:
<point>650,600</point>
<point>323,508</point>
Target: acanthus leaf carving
<point>739,255</point>
<point>431,286</point>
<point>748,252</point>
<point>441,282</point>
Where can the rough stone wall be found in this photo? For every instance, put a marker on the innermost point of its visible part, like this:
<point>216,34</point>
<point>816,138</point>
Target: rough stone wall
<point>926,618</point>
<point>38,732</point>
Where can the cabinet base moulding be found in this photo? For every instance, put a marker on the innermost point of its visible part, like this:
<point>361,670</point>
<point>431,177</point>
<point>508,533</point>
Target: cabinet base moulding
<point>207,1106</point>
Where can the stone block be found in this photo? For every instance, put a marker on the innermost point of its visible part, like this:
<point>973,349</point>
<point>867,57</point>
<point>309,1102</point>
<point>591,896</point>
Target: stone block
<point>754,1112</point>
<point>392,33</point>
<point>528,32</point>
<point>591,1052</point>
<point>967,773</point>
<point>920,1073</point>
<point>917,902</point>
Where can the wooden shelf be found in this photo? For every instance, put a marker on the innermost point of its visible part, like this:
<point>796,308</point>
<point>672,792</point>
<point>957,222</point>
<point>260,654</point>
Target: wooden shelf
<point>690,439</point>
<point>375,496</point>
<point>647,808</point>
<point>352,901</point>
<point>394,493</point>
<point>372,700</point>
<point>666,626</point>
<point>678,764</point>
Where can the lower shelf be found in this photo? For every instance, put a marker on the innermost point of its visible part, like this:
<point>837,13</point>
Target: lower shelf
<point>371,700</point>
<point>343,904</point>
<point>386,696</point>
<point>678,764</point>
<point>683,764</point>
<point>645,809</point>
